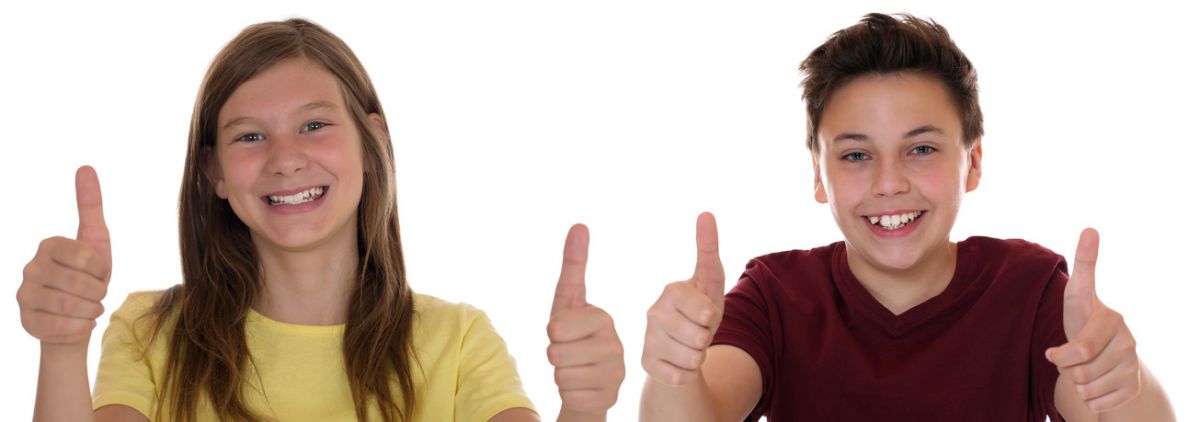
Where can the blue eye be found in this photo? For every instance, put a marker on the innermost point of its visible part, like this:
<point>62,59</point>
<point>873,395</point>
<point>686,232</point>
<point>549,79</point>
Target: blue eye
<point>311,126</point>
<point>923,150</point>
<point>856,156</point>
<point>250,137</point>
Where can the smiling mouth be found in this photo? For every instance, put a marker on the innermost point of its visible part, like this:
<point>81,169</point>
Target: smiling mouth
<point>297,198</point>
<point>894,221</point>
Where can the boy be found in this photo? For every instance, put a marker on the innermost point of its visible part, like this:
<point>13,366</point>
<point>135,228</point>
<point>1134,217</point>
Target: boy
<point>896,322</point>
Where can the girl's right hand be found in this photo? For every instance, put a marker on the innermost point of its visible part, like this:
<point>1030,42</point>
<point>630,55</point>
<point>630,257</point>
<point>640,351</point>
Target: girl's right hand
<point>67,278</point>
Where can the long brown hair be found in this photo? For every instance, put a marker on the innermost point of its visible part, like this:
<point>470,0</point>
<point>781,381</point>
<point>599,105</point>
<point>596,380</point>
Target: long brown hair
<point>208,357</point>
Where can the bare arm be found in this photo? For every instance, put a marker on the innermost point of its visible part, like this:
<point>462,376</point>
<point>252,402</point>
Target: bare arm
<point>728,387</point>
<point>60,299</point>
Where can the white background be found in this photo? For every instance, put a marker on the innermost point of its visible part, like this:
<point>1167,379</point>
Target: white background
<point>512,120</point>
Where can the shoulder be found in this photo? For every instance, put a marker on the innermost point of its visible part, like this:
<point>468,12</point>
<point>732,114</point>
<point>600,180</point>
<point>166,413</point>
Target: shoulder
<point>1010,252</point>
<point>794,263</point>
<point>138,307</point>
<point>435,316</point>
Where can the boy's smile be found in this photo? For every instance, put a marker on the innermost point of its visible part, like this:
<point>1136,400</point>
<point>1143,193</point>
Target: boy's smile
<point>892,165</point>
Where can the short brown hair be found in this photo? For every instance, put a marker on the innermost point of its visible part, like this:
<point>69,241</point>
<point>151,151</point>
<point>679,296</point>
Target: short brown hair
<point>883,44</point>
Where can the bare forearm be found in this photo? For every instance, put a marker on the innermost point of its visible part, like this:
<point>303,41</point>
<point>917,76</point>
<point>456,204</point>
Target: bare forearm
<point>1151,404</point>
<point>688,402</point>
<point>62,391</point>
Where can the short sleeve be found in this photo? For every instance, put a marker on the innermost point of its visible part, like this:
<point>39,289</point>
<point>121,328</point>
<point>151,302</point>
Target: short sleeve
<point>488,382</point>
<point>746,324</point>
<point>124,374</point>
<point>1048,332</point>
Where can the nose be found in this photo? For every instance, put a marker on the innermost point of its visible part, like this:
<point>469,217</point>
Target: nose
<point>891,178</point>
<point>286,156</point>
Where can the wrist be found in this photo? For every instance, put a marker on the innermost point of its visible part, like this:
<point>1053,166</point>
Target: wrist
<point>64,349</point>
<point>571,415</point>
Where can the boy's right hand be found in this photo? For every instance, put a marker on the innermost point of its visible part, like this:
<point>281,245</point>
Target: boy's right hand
<point>681,324</point>
<point>67,278</point>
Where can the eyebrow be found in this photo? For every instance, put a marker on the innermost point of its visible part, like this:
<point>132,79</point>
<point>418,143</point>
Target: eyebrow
<point>851,136</point>
<point>315,105</point>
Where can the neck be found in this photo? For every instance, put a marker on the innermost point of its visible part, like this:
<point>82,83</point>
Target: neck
<point>308,287</point>
<point>899,290</point>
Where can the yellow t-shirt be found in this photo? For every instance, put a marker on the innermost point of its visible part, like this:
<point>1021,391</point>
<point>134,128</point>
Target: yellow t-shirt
<point>463,372</point>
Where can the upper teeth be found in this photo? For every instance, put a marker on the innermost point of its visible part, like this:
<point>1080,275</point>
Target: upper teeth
<point>892,222</point>
<point>297,198</point>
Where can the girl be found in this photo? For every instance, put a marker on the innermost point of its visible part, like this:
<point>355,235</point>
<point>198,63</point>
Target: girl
<point>294,303</point>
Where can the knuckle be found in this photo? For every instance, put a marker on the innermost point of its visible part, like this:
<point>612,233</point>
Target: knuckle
<point>1080,375</point>
<point>46,244</point>
<point>62,303</point>
<point>80,257</point>
<point>1086,351</point>
<point>30,271</point>
<point>555,328</point>
<point>554,355</point>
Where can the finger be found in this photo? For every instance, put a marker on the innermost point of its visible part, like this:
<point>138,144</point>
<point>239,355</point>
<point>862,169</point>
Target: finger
<point>585,352</point>
<point>92,229</point>
<point>675,353</point>
<point>710,274</point>
<point>72,254</point>
<point>1090,342</point>
<point>53,328</point>
<point>665,373</point>
<point>571,292</point>
<point>70,281</point>
<point>1113,399</point>
<point>1080,294</point>
<point>1122,375</point>
<point>1118,351</point>
<point>578,323</point>
<point>55,302</point>
<point>675,325</point>
<point>684,299</point>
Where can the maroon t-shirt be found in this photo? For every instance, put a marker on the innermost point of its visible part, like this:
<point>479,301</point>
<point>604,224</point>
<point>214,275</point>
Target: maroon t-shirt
<point>828,351</point>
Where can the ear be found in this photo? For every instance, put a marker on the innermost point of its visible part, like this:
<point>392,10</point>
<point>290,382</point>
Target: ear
<point>975,161</point>
<point>378,125</point>
<point>818,184</point>
<point>212,170</point>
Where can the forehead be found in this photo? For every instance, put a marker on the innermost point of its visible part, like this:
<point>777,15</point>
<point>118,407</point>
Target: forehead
<point>889,105</point>
<point>285,87</point>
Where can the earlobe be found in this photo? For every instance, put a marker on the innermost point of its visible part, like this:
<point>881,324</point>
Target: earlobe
<point>975,165</point>
<point>818,185</point>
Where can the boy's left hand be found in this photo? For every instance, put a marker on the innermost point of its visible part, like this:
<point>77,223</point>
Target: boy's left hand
<point>1100,356</point>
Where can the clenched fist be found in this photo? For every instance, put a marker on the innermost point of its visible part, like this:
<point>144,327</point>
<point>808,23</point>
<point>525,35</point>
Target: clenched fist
<point>681,324</point>
<point>67,278</point>
<point>588,359</point>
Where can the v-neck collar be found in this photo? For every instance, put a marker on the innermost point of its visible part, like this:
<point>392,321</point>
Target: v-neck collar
<point>898,325</point>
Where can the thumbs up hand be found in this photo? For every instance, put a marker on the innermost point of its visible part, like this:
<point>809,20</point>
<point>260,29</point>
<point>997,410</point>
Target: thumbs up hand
<point>588,359</point>
<point>1100,357</point>
<point>681,324</point>
<point>65,281</point>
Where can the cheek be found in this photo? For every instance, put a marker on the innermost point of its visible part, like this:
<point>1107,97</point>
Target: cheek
<point>942,182</point>
<point>843,184</point>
